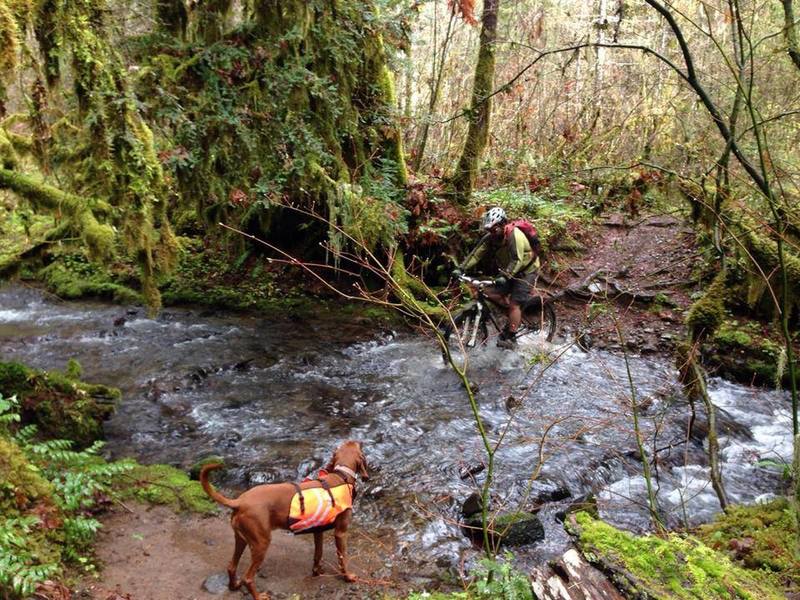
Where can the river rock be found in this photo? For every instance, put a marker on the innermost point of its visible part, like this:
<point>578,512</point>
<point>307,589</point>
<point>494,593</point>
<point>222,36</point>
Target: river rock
<point>216,583</point>
<point>511,529</point>
<point>549,491</point>
<point>586,503</point>
<point>194,470</point>
<point>472,505</point>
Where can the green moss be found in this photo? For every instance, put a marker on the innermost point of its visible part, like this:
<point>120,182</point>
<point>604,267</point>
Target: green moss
<point>747,351</point>
<point>21,486</point>
<point>61,407</point>
<point>166,485</point>
<point>761,536</point>
<point>671,567</point>
<point>706,314</point>
<point>73,277</point>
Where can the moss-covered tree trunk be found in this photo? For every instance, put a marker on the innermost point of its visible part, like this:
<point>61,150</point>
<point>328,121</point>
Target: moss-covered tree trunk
<point>479,115</point>
<point>790,32</point>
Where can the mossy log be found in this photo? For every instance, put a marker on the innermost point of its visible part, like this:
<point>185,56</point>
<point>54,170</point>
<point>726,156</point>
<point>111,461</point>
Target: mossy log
<point>668,567</point>
<point>707,313</point>
<point>98,237</point>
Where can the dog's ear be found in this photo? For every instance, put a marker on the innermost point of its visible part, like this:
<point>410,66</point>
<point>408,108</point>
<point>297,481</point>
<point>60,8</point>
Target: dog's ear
<point>362,464</point>
<point>332,463</point>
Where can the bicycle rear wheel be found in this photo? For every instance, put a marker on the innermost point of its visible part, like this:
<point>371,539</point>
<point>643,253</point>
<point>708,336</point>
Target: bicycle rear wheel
<point>538,322</point>
<point>464,334</point>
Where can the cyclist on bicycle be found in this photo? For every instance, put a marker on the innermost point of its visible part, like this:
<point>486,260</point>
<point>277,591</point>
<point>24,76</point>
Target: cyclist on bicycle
<point>518,265</point>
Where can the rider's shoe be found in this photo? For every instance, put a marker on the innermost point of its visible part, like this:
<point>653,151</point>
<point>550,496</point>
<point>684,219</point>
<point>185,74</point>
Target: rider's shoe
<point>507,340</point>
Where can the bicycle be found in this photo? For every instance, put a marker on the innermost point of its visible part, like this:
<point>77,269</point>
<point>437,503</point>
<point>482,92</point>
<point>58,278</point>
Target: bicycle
<point>470,326</point>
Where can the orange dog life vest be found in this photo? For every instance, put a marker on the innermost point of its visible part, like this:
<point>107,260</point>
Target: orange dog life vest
<point>315,509</point>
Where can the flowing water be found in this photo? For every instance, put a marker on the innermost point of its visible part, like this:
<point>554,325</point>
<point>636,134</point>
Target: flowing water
<point>275,396</point>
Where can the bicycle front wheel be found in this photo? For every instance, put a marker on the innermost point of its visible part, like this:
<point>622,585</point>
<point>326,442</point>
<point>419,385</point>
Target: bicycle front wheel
<point>466,332</point>
<point>538,322</point>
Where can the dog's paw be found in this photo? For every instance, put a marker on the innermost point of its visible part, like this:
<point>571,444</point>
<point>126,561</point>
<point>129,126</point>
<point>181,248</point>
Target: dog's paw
<point>349,577</point>
<point>317,571</point>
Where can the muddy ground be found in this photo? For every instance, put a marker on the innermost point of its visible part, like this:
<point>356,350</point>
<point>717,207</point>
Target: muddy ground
<point>638,275</point>
<point>152,553</point>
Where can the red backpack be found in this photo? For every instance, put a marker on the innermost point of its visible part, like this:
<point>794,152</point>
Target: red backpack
<point>526,228</point>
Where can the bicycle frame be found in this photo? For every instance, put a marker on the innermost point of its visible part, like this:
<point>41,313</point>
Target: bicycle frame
<point>481,310</point>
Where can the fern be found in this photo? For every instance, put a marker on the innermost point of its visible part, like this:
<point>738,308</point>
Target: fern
<point>77,477</point>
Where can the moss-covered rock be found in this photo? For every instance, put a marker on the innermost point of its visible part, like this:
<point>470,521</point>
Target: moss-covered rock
<point>668,567</point>
<point>60,406</point>
<point>761,537</point>
<point>508,529</point>
<point>748,352</point>
<point>166,485</point>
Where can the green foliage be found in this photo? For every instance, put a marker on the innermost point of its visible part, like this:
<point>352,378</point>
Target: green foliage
<point>293,107</point>
<point>761,536</point>
<point>554,217</point>
<point>60,406</point>
<point>706,314</point>
<point>671,567</point>
<point>47,494</point>
<point>73,276</point>
<point>493,579</point>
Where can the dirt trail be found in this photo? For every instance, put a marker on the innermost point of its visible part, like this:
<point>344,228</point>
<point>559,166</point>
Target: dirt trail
<point>648,267</point>
<point>151,553</point>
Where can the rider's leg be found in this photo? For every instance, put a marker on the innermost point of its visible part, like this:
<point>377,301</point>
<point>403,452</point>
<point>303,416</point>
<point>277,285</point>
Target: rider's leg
<point>497,296</point>
<point>514,316</point>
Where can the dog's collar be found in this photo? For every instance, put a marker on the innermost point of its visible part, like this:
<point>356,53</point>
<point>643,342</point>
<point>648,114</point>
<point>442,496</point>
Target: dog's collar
<point>346,470</point>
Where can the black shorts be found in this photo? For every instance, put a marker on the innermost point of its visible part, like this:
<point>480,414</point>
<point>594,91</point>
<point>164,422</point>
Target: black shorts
<point>520,287</point>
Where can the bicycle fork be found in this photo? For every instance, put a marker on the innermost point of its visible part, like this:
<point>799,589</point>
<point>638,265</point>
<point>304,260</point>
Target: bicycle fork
<point>475,326</point>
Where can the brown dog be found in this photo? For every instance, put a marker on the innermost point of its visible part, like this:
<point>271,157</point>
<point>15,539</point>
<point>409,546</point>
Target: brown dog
<point>263,508</point>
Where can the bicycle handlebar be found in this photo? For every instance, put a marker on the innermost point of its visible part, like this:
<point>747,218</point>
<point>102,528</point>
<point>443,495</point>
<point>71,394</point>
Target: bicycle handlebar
<point>480,283</point>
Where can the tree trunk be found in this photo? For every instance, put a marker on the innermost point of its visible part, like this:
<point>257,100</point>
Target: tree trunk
<point>790,32</point>
<point>463,179</point>
<point>436,90</point>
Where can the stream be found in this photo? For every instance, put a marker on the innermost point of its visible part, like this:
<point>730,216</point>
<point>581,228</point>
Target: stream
<point>275,396</point>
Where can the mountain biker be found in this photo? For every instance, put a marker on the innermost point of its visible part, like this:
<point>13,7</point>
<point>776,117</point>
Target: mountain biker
<point>518,265</point>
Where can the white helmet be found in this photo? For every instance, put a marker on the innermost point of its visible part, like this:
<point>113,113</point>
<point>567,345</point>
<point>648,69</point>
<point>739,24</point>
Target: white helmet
<point>492,217</point>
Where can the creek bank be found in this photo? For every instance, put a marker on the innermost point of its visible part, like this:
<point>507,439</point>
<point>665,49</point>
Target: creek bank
<point>670,566</point>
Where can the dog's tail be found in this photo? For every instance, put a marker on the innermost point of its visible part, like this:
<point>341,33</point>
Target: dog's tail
<point>212,493</point>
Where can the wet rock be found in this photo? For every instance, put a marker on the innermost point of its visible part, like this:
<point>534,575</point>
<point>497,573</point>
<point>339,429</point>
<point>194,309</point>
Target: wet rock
<point>472,505</point>
<point>231,438</point>
<point>259,477</point>
<point>726,425</point>
<point>468,470</point>
<point>306,468</point>
<point>511,529</point>
<point>512,403</point>
<point>119,321</point>
<point>550,491</point>
<point>216,583</point>
<point>586,503</point>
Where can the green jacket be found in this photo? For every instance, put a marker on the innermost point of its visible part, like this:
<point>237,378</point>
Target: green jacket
<point>513,255</point>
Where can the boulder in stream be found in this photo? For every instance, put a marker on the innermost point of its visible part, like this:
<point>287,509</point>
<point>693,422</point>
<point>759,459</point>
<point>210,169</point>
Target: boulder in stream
<point>510,529</point>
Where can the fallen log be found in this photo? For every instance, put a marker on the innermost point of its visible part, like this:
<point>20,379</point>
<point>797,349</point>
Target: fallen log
<point>572,578</point>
